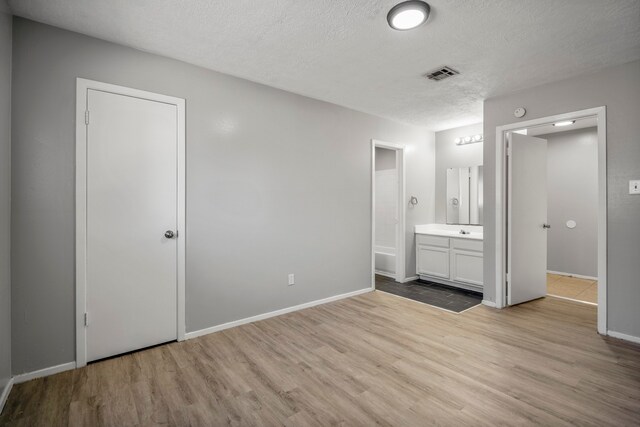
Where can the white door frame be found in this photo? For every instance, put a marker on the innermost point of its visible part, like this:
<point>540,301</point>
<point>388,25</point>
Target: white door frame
<point>501,207</point>
<point>82,87</point>
<point>400,225</point>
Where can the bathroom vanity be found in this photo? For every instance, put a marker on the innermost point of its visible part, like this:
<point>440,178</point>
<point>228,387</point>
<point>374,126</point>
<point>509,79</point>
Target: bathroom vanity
<point>445,255</point>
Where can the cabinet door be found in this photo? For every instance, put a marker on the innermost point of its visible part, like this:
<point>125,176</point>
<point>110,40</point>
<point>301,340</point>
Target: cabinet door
<point>466,267</point>
<point>433,261</point>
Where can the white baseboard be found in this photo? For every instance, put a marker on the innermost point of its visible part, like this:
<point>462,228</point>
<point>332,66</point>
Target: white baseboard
<point>5,394</point>
<point>251,319</point>
<point>625,337</point>
<point>385,274</point>
<point>20,378</point>
<point>489,303</point>
<point>579,276</point>
<point>466,286</point>
<point>408,279</point>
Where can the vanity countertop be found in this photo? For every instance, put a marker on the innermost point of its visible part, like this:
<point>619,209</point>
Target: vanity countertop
<point>449,230</point>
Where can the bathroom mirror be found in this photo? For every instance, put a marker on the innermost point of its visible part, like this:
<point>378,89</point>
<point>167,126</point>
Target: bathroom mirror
<point>464,195</point>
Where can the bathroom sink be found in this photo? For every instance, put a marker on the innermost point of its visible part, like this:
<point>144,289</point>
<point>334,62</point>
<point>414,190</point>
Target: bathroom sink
<point>473,232</point>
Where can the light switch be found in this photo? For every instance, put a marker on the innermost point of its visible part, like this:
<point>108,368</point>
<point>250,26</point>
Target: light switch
<point>634,186</point>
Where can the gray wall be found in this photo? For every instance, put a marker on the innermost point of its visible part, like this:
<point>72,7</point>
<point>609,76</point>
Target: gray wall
<point>5,195</point>
<point>450,155</point>
<point>619,89</point>
<point>572,177</point>
<point>385,159</point>
<point>276,183</point>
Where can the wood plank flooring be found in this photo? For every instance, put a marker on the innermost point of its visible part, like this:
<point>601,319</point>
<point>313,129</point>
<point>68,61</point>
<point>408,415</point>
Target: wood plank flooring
<point>374,359</point>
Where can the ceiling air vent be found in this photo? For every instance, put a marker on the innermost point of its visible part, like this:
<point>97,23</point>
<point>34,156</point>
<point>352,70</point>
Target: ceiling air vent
<point>441,73</point>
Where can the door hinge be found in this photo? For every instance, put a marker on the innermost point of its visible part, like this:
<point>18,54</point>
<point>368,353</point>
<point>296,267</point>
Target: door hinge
<point>86,117</point>
<point>86,319</point>
<point>506,287</point>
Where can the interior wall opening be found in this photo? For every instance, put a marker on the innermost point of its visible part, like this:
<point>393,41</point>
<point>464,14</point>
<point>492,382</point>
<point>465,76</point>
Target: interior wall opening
<point>554,222</point>
<point>386,211</point>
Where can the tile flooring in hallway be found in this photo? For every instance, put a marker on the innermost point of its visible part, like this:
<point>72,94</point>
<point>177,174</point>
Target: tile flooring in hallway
<point>585,290</point>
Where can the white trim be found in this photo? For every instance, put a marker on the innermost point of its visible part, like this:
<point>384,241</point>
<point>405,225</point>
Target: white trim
<point>82,86</point>
<point>489,303</point>
<point>5,393</point>
<point>21,378</point>
<point>400,226</point>
<point>500,208</point>
<point>459,285</point>
<point>408,279</point>
<point>207,331</point>
<point>386,274</point>
<point>578,276</point>
<point>625,337</point>
<point>571,299</point>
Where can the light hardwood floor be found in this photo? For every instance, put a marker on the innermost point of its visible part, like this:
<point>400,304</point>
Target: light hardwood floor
<point>573,287</point>
<point>375,359</point>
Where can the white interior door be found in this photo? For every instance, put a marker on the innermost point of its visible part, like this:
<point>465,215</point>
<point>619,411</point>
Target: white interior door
<point>131,266</point>
<point>527,218</point>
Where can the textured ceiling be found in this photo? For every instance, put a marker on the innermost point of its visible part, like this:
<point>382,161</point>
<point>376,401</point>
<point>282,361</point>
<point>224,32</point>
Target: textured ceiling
<point>342,51</point>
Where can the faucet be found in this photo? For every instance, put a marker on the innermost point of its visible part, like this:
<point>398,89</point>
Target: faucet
<point>464,232</point>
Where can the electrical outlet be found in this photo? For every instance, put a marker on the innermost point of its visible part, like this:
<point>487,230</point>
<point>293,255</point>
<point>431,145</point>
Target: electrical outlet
<point>292,279</point>
<point>634,187</point>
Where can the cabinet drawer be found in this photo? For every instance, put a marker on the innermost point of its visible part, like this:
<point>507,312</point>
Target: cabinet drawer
<point>423,239</point>
<point>467,244</point>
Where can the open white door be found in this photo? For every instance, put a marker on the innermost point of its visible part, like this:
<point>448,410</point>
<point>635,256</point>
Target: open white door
<point>527,219</point>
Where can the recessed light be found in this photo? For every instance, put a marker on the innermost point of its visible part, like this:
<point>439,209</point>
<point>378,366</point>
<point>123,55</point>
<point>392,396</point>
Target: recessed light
<point>565,123</point>
<point>408,15</point>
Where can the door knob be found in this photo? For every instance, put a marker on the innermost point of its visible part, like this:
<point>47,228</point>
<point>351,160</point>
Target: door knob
<point>169,234</point>
<point>546,225</point>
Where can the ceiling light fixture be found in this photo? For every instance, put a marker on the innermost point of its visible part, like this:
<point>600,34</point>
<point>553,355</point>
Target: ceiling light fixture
<point>464,140</point>
<point>565,123</point>
<point>408,15</point>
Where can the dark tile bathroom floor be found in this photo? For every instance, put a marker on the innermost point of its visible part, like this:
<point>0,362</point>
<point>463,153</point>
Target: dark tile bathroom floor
<point>446,297</point>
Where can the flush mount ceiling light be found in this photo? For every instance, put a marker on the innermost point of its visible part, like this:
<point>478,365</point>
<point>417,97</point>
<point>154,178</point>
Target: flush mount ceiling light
<point>565,123</point>
<point>408,15</point>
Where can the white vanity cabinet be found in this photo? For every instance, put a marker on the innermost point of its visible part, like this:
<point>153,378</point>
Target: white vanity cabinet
<point>433,256</point>
<point>450,260</point>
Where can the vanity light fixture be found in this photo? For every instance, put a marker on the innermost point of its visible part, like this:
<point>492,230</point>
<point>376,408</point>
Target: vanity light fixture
<point>408,15</point>
<point>468,139</point>
<point>565,123</point>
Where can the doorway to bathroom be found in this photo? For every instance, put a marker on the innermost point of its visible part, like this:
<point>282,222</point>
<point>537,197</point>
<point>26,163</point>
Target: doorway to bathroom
<point>551,210</point>
<point>387,210</point>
